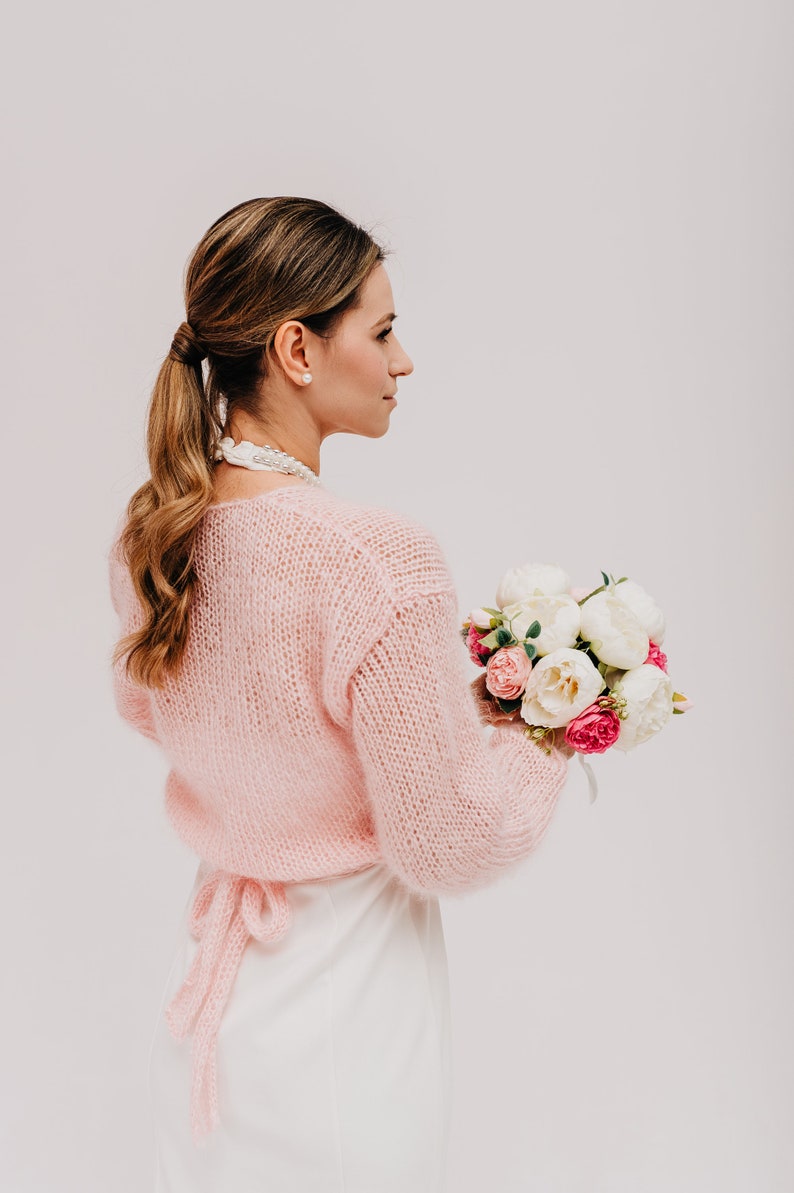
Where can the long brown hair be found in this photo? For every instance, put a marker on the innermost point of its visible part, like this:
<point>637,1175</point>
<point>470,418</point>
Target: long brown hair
<point>265,261</point>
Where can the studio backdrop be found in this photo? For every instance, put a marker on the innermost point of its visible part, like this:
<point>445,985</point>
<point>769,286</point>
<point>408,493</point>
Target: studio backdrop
<point>589,212</point>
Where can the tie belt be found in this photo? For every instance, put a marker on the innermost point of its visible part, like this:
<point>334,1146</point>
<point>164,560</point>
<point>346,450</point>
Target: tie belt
<point>227,911</point>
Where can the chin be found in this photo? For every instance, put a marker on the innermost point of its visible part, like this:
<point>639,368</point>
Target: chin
<point>377,429</point>
<point>375,433</point>
<point>369,428</point>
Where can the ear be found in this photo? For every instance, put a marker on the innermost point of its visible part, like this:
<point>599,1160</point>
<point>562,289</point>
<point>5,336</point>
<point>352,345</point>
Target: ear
<point>290,348</point>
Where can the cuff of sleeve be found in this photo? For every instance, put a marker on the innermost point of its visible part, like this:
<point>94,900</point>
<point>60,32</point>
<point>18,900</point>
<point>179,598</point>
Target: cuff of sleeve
<point>505,730</point>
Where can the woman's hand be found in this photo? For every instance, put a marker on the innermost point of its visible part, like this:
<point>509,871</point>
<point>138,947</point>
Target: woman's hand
<point>491,714</point>
<point>489,711</point>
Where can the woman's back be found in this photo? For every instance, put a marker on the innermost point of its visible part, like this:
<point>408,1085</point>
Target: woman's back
<point>293,588</point>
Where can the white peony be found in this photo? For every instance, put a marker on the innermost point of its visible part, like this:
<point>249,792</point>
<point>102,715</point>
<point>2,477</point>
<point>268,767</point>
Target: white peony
<point>649,704</point>
<point>529,579</point>
<point>615,632</point>
<point>559,618</point>
<point>560,686</point>
<point>644,608</point>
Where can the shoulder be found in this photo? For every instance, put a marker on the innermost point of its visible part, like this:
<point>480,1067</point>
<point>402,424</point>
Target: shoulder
<point>344,538</point>
<point>408,553</point>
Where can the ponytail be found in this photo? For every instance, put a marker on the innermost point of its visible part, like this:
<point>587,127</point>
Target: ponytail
<point>163,514</point>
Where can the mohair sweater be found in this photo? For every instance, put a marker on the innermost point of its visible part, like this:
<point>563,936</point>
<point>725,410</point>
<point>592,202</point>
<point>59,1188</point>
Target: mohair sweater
<point>322,721</point>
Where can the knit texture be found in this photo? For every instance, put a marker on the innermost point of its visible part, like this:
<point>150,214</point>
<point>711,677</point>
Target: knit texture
<point>322,721</point>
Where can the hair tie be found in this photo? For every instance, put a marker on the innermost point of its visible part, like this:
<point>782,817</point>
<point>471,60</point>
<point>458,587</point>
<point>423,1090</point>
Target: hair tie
<point>186,346</point>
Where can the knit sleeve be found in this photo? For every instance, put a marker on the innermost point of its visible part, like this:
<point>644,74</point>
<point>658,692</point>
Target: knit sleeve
<point>451,806</point>
<point>132,701</point>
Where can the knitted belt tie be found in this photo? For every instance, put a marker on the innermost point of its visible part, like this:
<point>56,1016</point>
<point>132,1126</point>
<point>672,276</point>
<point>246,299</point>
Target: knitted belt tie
<point>227,910</point>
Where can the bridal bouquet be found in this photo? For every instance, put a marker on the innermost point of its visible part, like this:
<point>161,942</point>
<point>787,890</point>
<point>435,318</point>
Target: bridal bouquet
<point>586,660</point>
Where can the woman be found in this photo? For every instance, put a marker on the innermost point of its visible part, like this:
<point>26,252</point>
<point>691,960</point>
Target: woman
<point>298,658</point>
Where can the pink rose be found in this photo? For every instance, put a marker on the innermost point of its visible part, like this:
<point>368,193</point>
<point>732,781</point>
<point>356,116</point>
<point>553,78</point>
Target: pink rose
<point>594,730</point>
<point>507,672</point>
<point>657,657</point>
<point>477,653</point>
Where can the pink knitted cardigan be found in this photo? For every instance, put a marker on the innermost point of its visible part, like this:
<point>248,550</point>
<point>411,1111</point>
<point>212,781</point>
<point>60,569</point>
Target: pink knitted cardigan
<point>322,721</point>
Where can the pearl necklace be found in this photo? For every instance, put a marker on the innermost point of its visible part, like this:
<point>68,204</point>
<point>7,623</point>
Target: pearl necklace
<point>262,457</point>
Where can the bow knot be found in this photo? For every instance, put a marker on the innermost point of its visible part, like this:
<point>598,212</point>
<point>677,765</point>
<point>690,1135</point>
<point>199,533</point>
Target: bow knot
<point>228,909</point>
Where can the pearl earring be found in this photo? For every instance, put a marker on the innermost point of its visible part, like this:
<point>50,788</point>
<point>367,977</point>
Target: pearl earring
<point>306,378</point>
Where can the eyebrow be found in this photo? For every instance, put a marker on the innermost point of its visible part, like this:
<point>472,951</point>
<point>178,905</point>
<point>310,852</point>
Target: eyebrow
<point>385,318</point>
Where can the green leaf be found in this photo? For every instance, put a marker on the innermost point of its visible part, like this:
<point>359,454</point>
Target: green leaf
<point>490,641</point>
<point>503,636</point>
<point>496,612</point>
<point>533,631</point>
<point>606,579</point>
<point>530,649</point>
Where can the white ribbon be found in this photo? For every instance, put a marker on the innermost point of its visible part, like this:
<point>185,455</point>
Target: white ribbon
<point>591,779</point>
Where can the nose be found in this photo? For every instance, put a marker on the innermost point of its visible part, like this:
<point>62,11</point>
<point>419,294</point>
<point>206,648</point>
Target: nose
<point>401,364</point>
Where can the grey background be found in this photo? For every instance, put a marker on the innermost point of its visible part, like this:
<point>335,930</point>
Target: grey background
<point>590,207</point>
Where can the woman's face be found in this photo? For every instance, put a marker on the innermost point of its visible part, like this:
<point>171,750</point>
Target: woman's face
<point>355,372</point>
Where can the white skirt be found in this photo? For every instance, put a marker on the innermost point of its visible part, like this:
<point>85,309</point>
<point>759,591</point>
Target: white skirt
<point>333,1054</point>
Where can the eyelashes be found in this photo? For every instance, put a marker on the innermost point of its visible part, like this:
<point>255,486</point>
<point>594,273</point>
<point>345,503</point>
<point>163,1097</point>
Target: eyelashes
<point>382,335</point>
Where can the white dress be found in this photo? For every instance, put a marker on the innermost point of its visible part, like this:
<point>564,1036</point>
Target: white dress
<point>333,1054</point>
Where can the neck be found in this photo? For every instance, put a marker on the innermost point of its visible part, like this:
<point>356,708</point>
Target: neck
<point>301,442</point>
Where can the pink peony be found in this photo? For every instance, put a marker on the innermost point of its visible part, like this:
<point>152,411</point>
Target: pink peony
<point>594,730</point>
<point>507,672</point>
<point>477,653</point>
<point>657,656</point>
